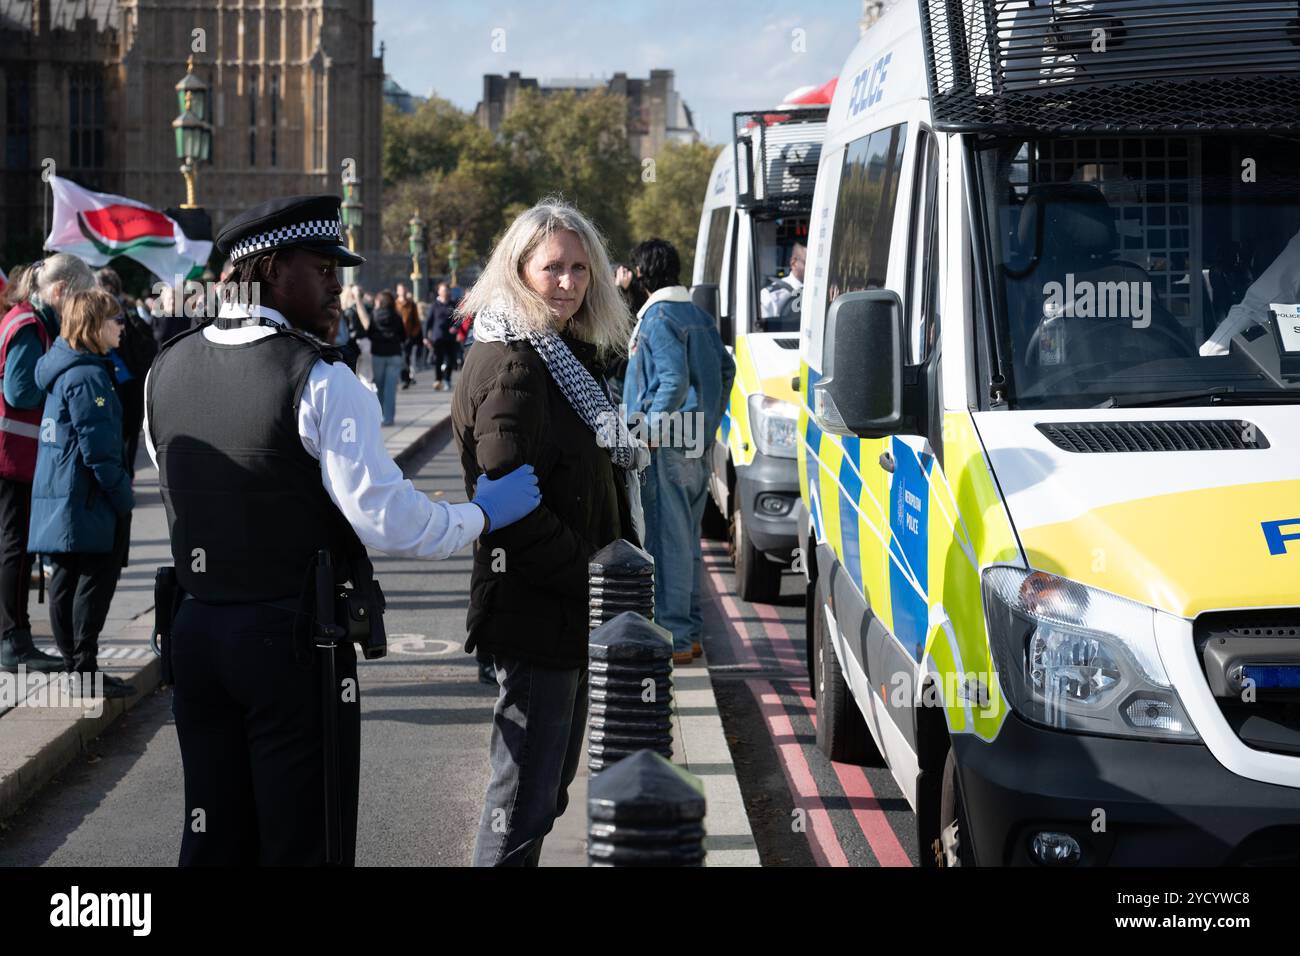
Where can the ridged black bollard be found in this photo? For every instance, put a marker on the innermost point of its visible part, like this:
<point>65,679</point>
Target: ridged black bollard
<point>645,812</point>
<point>631,690</point>
<point>621,577</point>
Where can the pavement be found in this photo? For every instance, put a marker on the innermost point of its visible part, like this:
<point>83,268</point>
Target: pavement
<point>39,743</point>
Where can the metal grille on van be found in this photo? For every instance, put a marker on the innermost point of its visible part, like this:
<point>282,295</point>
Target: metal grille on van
<point>777,157</point>
<point>1112,65</point>
<point>787,343</point>
<point>1203,435</point>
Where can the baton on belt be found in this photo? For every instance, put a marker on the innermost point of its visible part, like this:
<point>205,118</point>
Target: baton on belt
<point>327,637</point>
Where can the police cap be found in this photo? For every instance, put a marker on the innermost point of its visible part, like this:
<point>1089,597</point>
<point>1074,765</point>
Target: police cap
<point>308,222</point>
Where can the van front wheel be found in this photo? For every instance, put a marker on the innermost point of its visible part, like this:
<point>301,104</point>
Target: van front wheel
<point>842,733</point>
<point>952,847</point>
<point>758,580</point>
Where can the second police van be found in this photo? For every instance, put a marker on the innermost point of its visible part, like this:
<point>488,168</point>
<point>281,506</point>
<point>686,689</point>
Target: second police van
<point>749,262</point>
<point>1049,432</point>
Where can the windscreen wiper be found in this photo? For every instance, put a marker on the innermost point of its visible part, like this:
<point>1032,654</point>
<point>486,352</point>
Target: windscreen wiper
<point>1215,395</point>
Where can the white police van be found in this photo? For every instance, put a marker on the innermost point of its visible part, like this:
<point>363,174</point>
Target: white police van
<point>1049,432</point>
<point>748,264</point>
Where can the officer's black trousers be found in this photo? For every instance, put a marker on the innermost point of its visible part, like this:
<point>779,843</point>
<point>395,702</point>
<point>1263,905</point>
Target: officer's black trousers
<point>248,717</point>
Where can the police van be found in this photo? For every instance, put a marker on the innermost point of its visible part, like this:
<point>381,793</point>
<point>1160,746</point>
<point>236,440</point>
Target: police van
<point>748,274</point>
<point>1049,428</point>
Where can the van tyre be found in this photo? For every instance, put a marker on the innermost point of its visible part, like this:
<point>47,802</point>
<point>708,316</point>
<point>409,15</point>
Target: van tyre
<point>714,526</point>
<point>952,847</point>
<point>842,733</point>
<point>758,580</point>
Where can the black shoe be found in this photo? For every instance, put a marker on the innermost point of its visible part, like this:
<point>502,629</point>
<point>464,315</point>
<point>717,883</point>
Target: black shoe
<point>19,652</point>
<point>114,687</point>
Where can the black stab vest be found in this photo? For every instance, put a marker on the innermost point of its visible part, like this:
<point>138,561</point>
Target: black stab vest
<point>246,510</point>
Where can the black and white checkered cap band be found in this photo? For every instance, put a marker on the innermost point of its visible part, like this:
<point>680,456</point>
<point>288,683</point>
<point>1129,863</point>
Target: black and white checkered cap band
<point>311,230</point>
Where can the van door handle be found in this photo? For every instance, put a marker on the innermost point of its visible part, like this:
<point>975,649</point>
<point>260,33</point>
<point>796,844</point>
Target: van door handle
<point>887,461</point>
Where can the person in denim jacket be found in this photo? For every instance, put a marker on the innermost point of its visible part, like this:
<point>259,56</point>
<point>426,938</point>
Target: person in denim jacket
<point>679,375</point>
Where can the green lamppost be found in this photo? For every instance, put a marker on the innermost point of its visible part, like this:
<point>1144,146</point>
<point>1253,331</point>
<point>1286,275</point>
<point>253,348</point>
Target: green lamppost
<point>351,210</point>
<point>453,257</point>
<point>417,252</point>
<point>192,129</point>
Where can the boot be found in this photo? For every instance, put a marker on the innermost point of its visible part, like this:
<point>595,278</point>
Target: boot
<point>17,648</point>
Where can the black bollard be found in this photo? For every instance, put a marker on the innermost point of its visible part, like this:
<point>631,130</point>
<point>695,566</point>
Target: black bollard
<point>631,690</point>
<point>645,812</point>
<point>621,577</point>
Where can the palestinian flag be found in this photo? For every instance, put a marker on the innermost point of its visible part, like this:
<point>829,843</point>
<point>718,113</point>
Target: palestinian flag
<point>97,227</point>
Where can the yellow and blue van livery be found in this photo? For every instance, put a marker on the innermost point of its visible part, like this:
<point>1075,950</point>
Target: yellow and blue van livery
<point>1048,398</point>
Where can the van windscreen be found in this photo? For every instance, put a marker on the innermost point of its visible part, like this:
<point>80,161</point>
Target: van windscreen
<point>1146,270</point>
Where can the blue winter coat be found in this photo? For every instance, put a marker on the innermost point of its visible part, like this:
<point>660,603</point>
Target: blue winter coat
<point>82,486</point>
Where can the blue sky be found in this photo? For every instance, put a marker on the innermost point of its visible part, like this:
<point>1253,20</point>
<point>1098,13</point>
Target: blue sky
<point>727,55</point>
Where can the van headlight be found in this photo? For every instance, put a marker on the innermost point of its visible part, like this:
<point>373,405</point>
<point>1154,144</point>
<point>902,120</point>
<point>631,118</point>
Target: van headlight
<point>774,424</point>
<point>1074,658</point>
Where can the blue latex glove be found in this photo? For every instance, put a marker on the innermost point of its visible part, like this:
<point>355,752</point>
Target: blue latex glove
<point>508,498</point>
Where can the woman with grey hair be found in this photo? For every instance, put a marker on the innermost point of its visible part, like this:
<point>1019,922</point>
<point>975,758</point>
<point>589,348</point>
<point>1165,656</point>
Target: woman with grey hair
<point>547,320</point>
<point>26,332</point>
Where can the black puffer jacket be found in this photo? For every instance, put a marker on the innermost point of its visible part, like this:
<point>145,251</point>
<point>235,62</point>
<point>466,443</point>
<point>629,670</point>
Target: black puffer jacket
<point>508,411</point>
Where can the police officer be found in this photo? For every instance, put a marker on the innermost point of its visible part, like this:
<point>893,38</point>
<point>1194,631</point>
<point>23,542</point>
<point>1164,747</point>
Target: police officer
<point>781,299</point>
<point>268,451</point>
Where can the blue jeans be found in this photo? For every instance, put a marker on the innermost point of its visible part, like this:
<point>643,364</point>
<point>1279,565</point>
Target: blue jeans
<point>537,728</point>
<point>387,370</point>
<point>673,499</point>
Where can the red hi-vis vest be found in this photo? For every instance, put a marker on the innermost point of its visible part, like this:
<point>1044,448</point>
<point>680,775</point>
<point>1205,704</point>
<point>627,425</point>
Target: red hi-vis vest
<point>19,427</point>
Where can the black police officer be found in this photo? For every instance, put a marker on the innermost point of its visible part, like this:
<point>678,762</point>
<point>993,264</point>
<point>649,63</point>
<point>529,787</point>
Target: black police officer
<point>269,451</point>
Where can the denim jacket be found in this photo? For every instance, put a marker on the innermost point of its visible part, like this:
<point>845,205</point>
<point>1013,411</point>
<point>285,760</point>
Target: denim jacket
<point>678,363</point>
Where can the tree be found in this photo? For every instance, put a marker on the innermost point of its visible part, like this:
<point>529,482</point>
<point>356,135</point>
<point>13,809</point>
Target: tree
<point>574,145</point>
<point>429,139</point>
<point>667,204</point>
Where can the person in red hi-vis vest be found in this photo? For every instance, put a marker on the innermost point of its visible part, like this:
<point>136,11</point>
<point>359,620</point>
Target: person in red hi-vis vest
<point>28,328</point>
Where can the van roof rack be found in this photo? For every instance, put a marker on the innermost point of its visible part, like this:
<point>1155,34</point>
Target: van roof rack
<point>777,152</point>
<point>1112,66</point>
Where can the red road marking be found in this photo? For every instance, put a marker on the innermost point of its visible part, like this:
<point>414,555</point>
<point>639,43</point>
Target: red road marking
<point>821,832</point>
<point>872,820</point>
<point>741,649</point>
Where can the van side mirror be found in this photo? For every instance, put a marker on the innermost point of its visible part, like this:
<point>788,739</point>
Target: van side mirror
<point>705,295</point>
<point>861,388</point>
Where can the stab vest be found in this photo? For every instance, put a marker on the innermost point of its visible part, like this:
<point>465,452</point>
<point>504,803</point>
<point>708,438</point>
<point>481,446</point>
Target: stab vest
<point>246,509</point>
<point>19,427</point>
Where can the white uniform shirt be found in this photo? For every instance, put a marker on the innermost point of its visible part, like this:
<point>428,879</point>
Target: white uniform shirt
<point>773,300</point>
<point>339,424</point>
<point>1279,283</point>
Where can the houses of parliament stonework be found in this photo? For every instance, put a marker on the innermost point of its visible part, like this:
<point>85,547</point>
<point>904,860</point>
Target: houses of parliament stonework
<point>295,90</point>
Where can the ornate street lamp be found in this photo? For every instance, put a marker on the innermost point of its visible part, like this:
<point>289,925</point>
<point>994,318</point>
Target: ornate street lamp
<point>192,129</point>
<point>417,252</point>
<point>351,211</point>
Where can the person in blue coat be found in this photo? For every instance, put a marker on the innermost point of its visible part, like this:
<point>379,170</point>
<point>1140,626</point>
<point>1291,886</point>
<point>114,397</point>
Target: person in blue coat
<point>81,495</point>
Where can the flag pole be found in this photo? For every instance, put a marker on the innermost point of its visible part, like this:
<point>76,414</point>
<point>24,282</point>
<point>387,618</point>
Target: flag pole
<point>45,214</point>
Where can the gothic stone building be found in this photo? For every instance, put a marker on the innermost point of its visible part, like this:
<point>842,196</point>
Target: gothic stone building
<point>295,90</point>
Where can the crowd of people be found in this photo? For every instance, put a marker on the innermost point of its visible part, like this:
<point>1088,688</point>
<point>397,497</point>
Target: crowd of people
<point>571,353</point>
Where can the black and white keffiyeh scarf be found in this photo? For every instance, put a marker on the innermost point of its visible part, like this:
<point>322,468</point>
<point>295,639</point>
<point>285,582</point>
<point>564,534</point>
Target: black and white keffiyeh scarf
<point>587,397</point>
